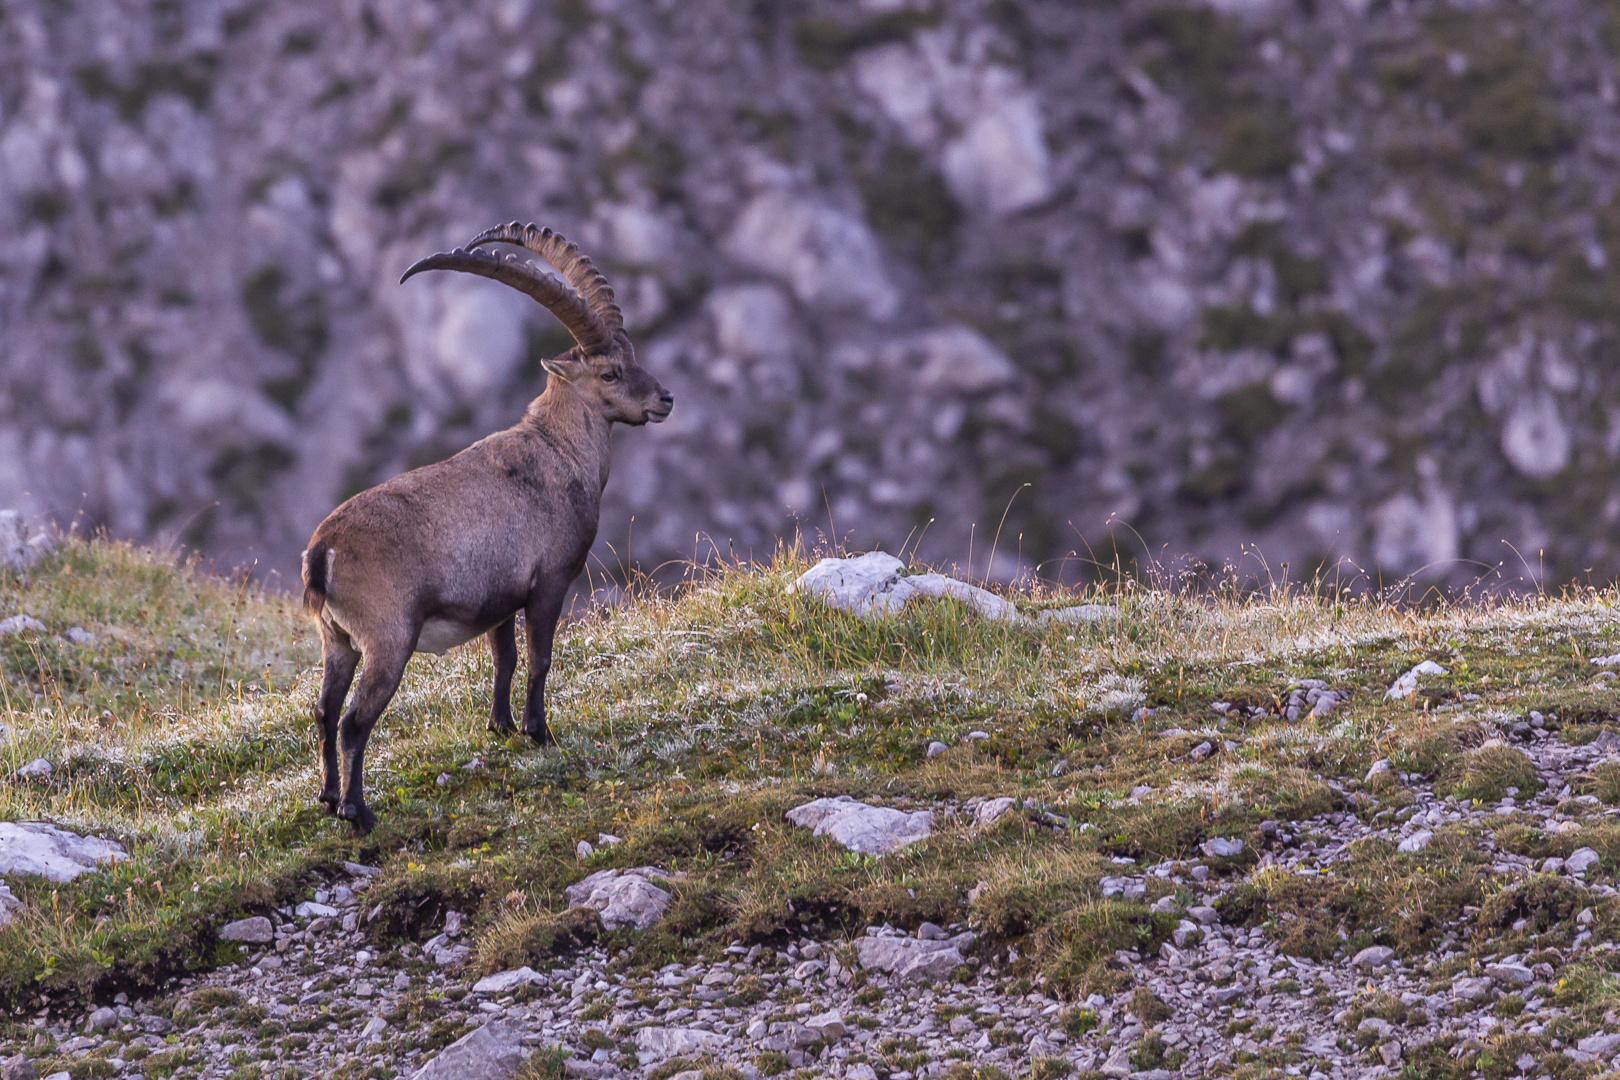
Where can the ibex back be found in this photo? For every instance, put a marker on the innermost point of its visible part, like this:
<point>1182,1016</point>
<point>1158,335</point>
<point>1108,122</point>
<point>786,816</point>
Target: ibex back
<point>439,555</point>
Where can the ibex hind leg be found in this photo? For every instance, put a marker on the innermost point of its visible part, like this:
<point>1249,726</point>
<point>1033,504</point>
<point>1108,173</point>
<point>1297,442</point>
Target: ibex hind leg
<point>384,668</point>
<point>340,660</point>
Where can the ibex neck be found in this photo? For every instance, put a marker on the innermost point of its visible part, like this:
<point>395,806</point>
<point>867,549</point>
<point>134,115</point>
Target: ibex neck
<point>572,428</point>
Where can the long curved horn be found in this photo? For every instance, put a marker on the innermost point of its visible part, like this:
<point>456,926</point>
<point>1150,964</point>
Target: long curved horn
<point>572,311</point>
<point>560,252</point>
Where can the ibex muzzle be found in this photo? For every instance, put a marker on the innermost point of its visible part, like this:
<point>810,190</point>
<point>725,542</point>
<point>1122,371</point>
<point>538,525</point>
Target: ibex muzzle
<point>439,555</point>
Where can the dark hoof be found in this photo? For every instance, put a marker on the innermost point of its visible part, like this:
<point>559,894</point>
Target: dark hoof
<point>500,728</point>
<point>330,802</point>
<point>541,737</point>
<point>359,816</point>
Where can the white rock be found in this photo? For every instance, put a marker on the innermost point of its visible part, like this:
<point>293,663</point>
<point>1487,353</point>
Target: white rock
<point>31,847</point>
<point>1582,860</point>
<point>869,830</point>
<point>913,960</point>
<point>1220,847</point>
<point>20,624</point>
<point>1407,684</point>
<point>936,748</point>
<point>506,981</point>
<point>80,636</point>
<point>584,850</point>
<point>654,1044</point>
<point>991,811</point>
<point>375,1026</point>
<point>1510,974</point>
<point>1600,1045</point>
<point>492,1052</point>
<point>309,909</point>
<point>1416,842</point>
<point>827,257</point>
<point>853,584</point>
<point>829,1025</point>
<point>9,904</point>
<point>622,898</point>
<point>1373,956</point>
<point>1379,766</point>
<point>38,769</point>
<point>1613,660</point>
<point>1472,988</point>
<point>986,603</point>
<point>255,931</point>
<point>18,550</point>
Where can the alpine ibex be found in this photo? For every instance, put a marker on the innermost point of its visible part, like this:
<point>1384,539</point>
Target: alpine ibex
<point>439,555</point>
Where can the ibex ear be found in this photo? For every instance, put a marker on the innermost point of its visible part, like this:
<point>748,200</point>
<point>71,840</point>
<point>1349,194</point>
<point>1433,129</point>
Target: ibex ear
<point>566,366</point>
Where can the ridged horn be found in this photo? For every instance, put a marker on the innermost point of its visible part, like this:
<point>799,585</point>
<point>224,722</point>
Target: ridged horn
<point>571,310</point>
<point>562,253</point>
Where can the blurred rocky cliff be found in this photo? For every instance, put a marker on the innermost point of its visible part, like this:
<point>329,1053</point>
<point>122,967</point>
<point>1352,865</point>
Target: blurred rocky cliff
<point>1332,278</point>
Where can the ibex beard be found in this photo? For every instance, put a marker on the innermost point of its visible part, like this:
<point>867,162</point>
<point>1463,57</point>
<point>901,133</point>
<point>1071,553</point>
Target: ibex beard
<point>442,554</point>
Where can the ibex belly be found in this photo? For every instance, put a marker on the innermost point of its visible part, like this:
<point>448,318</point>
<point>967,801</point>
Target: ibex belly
<point>439,636</point>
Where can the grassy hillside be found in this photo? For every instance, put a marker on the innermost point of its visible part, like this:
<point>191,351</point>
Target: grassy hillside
<point>689,722</point>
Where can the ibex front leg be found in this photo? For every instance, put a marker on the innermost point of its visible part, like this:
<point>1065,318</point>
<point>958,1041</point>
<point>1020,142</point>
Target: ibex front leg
<point>545,605</point>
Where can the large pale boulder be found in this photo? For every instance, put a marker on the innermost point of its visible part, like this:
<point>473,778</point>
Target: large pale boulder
<point>913,960</point>
<point>858,584</point>
<point>32,847</point>
<point>492,1052</point>
<point>622,898</point>
<point>869,830</point>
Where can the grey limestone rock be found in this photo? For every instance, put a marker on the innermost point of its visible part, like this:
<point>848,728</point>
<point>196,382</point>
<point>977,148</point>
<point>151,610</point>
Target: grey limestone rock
<point>492,1052</point>
<point>654,1044</point>
<point>869,830</point>
<point>913,960</point>
<point>622,898</point>
<point>255,931</point>
<point>32,847</point>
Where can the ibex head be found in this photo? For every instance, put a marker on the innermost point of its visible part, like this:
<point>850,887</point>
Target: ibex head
<point>601,368</point>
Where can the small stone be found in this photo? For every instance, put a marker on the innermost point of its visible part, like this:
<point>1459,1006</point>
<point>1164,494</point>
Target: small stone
<point>1510,974</point>
<point>38,769</point>
<point>1379,766</point>
<point>254,931</point>
<point>1205,914</point>
<point>829,1025</point>
<point>20,624</point>
<point>102,1019</point>
<point>1202,751</point>
<point>930,932</point>
<point>1416,842</point>
<point>935,749</point>
<point>1373,956</point>
<point>1118,1064</point>
<point>584,850</point>
<point>153,1024</point>
<point>1582,860</point>
<point>991,811</point>
<point>309,909</point>
<point>505,982</point>
<point>80,636</point>
<point>961,1024</point>
<point>977,736</point>
<point>1600,1045</point>
<point>1472,988</point>
<point>17,1068</point>
<point>375,1026</point>
<point>1390,1053</point>
<point>1407,685</point>
<point>1221,847</point>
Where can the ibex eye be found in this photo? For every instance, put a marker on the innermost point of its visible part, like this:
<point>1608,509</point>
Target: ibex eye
<point>610,376</point>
